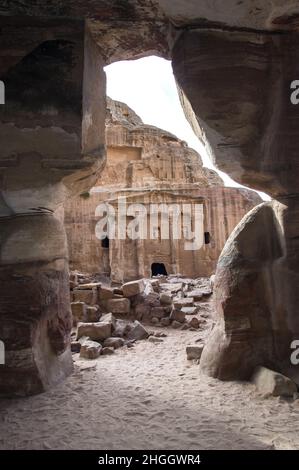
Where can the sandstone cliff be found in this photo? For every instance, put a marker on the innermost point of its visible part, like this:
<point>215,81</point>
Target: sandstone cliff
<point>234,62</point>
<point>148,166</point>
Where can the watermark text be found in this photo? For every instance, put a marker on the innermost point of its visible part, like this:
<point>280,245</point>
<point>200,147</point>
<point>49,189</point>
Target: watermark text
<point>295,94</point>
<point>152,221</point>
<point>295,353</point>
<point>2,353</point>
<point>2,92</point>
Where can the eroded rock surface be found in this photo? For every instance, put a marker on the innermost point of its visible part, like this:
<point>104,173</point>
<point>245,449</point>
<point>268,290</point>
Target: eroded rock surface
<point>269,383</point>
<point>53,140</point>
<point>149,166</point>
<point>234,62</point>
<point>236,94</point>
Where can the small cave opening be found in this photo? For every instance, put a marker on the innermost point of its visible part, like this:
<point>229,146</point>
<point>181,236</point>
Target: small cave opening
<point>105,242</point>
<point>158,268</point>
<point>207,237</point>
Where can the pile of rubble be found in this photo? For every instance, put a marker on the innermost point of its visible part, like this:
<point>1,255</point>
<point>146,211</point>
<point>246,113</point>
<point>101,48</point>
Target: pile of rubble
<point>107,318</point>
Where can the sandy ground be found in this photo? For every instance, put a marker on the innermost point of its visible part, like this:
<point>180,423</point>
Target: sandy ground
<point>148,397</point>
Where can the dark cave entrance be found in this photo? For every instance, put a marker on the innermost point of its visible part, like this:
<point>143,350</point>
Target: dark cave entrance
<point>207,236</point>
<point>158,268</point>
<point>105,242</point>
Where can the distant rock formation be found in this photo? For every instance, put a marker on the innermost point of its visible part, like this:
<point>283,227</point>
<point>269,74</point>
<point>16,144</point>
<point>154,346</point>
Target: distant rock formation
<point>147,165</point>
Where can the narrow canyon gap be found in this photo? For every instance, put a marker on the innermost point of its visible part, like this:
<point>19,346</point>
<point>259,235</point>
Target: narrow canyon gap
<point>234,66</point>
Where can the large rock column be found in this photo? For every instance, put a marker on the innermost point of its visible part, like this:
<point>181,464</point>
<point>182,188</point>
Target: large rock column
<point>53,127</point>
<point>235,88</point>
<point>34,303</point>
<point>245,284</point>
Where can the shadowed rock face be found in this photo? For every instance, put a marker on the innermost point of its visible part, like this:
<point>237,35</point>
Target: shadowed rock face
<point>53,146</point>
<point>255,14</point>
<point>256,296</point>
<point>233,63</point>
<point>243,335</point>
<point>239,87</point>
<point>235,88</point>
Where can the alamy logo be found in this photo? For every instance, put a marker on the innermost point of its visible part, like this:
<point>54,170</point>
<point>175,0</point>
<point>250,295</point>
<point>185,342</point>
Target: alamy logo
<point>152,221</point>
<point>295,354</point>
<point>2,92</point>
<point>295,94</point>
<point>2,353</point>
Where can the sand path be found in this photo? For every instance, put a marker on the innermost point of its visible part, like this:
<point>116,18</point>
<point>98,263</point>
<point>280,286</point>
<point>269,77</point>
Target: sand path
<point>148,397</point>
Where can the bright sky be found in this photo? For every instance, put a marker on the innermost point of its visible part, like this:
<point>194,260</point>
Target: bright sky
<point>148,87</point>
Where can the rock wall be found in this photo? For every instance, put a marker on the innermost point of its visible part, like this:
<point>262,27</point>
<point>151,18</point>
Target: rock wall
<point>53,146</point>
<point>253,134</point>
<point>87,254</point>
<point>234,62</point>
<point>149,166</point>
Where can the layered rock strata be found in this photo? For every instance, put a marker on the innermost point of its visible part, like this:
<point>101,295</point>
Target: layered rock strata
<point>234,62</point>
<point>151,167</point>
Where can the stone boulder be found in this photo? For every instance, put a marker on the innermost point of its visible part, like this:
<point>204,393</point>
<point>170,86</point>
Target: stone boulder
<point>165,299</point>
<point>177,315</point>
<point>165,321</point>
<point>73,279</point>
<point>88,296</point>
<point>158,312</point>
<point>168,309</point>
<point>89,286</point>
<point>118,291</point>
<point>155,283</point>
<point>137,332</point>
<point>109,318</point>
<point>197,294</point>
<point>122,328</point>
<point>152,299</point>
<point>142,311</point>
<point>172,288</point>
<point>114,342</point>
<point>106,293</point>
<point>153,339</point>
<point>194,352</point>
<point>79,310</point>
<point>90,349</point>
<point>176,325</point>
<point>137,300</point>
<point>190,310</point>
<point>130,289</point>
<point>273,383</point>
<point>96,331</point>
<point>183,302</point>
<point>119,306</point>
<point>194,323</point>
<point>249,322</point>
<point>149,287</point>
<point>93,314</point>
<point>107,351</point>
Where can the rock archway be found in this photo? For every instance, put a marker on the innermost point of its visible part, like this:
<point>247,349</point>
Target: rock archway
<point>234,65</point>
